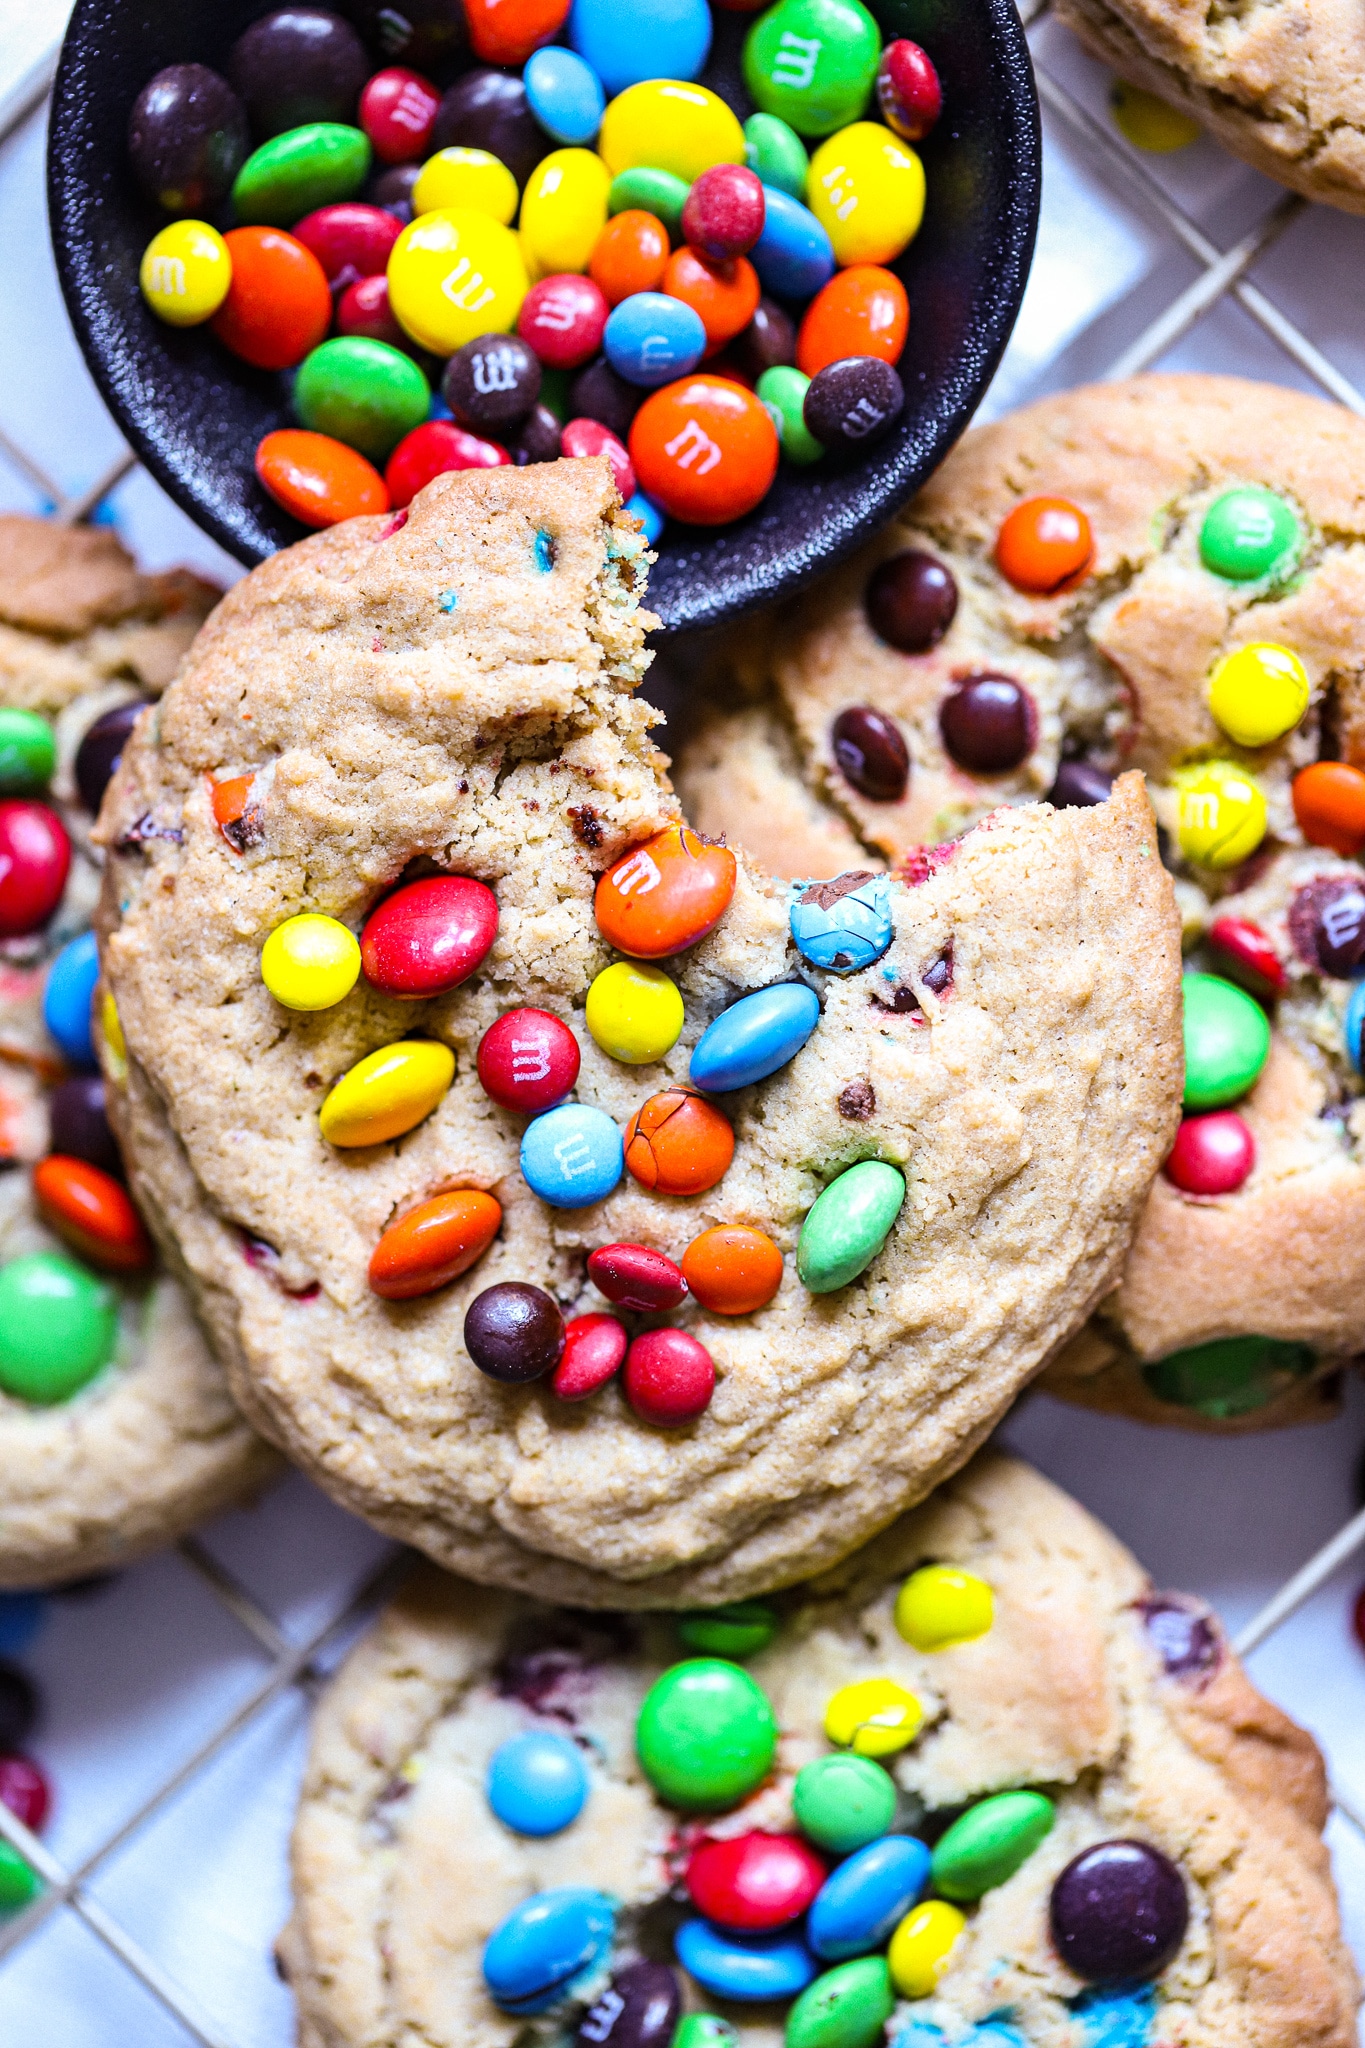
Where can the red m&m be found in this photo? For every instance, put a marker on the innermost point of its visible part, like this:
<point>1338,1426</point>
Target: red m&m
<point>349,236</point>
<point>669,1378</point>
<point>92,1211</point>
<point>704,449</point>
<point>429,937</point>
<point>666,894</point>
<point>724,212</point>
<point>754,1882</point>
<point>590,437</point>
<point>634,1276</point>
<point>1244,945</point>
<point>398,110</point>
<point>432,449</point>
<point>562,319</point>
<point>278,305</point>
<point>35,858</point>
<point>1212,1155</point>
<point>528,1061</point>
<point>594,1346</point>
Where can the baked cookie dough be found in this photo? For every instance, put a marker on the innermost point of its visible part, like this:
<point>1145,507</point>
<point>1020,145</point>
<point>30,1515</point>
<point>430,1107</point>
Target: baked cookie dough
<point>154,1443</point>
<point>456,692</point>
<point>1116,669</point>
<point>1282,86</point>
<point>1122,1706</point>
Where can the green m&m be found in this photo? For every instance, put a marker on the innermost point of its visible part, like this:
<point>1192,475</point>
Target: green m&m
<point>843,1802</point>
<point>28,752</point>
<point>704,2030</point>
<point>19,1883</point>
<point>782,391</point>
<point>776,154</point>
<point>739,1630</point>
<point>812,63</point>
<point>989,1842</point>
<point>1249,533</point>
<point>847,1226</point>
<point>297,172</point>
<point>361,392</point>
<point>1229,1375</point>
<point>706,1735</point>
<point>847,2007</point>
<point>58,1327</point>
<point>650,191</point>
<point>1227,1041</point>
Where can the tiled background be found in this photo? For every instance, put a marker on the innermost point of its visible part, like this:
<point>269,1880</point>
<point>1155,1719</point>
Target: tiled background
<point>152,1680</point>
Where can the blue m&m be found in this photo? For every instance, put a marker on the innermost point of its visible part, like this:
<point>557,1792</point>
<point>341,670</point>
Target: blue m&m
<point>537,1782</point>
<point>572,1156</point>
<point>859,1905</point>
<point>750,1968</point>
<point>845,924</point>
<point>624,47</point>
<point>66,999</point>
<point>565,94</point>
<point>793,256</point>
<point>546,1946</point>
<point>650,339</point>
<point>754,1037</point>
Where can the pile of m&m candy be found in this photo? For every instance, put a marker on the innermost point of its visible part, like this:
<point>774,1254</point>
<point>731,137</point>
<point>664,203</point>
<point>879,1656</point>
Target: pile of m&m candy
<point>585,251</point>
<point>658,900</point>
<point>59,1319</point>
<point>849,1910</point>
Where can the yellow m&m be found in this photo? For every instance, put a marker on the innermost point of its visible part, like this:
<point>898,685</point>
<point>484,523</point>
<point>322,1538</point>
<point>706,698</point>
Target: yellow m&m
<point>938,1606</point>
<point>1222,816</point>
<point>866,188</point>
<point>470,178</point>
<point>563,211</point>
<point>1259,693</point>
<point>634,1012</point>
<point>387,1093</point>
<point>921,1946</point>
<point>115,1045</point>
<point>185,274</point>
<point>875,1717</point>
<point>670,126</point>
<point>310,962</point>
<point>454,275</point>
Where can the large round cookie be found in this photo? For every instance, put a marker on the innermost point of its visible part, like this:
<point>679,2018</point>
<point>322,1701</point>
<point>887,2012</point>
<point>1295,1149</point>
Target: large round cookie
<point>1124,1706</point>
<point>1118,669</point>
<point>154,1443</point>
<point>455,690</point>
<point>1281,85</point>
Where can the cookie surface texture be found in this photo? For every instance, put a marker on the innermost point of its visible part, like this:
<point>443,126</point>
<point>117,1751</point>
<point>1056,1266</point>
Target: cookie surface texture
<point>1118,668</point>
<point>153,1443</point>
<point>1026,1103</point>
<point>1282,87</point>
<point>1123,1707</point>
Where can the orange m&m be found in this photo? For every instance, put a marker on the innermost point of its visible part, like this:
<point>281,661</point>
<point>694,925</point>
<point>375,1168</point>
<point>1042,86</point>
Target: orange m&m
<point>629,255</point>
<point>1043,544</point>
<point>665,895</point>
<point>1329,803</point>
<point>704,449</point>
<point>92,1211</point>
<point>279,304</point>
<point>724,296</point>
<point>678,1143</point>
<point>506,31</point>
<point>319,480</point>
<point>731,1270</point>
<point>434,1243</point>
<point>862,311</point>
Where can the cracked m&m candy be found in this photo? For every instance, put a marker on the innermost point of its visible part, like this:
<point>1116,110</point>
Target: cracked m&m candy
<point>665,894</point>
<point>678,1143</point>
<point>1222,813</point>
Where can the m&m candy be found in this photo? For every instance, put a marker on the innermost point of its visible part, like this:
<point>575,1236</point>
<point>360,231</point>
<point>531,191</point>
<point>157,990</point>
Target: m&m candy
<point>590,437</point>
<point>750,1969</point>
<point>514,1332</point>
<point>843,1801</point>
<point>677,1143</point>
<point>1118,1912</point>
<point>297,64</point>
<point>853,404</point>
<point>1259,693</point>
<point>1227,1041</point>
<point>637,1277</point>
<point>909,95</point>
<point>776,155</point>
<point>58,1327</point>
<point>594,1349</point>
<point>1329,806</point>
<point>278,306</point>
<point>537,1782</point>
<point>28,752</point>
<point>665,894</point>
<point>1212,1154</point>
<point>1222,813</point>
<point>434,1243</point>
<point>989,724</point>
<point>922,1945</point>
<point>68,996</point>
<point>866,189</point>
<point>669,1378</point>
<point>185,273</point>
<point>398,110</point>
<point>939,1606</point>
<point>725,211</point>
<point>988,1843</point>
<point>724,295</point>
<point>187,138</point>
<point>629,255</point>
<point>563,211</point>
<point>861,1902</point>
<point>469,178</point>
<point>92,1211</point>
<point>361,392</point>
<point>873,1717</point>
<point>639,2008</point>
<point>565,94</point>
<point>1042,544</point>
<point>812,62</point>
<point>429,936</point>
<point>672,41</point>
<point>318,479</point>
<point>310,962</point>
<point>78,1125</point>
<point>387,1093</point>
<point>754,1882</point>
<point>546,1945</point>
<point>455,274</point>
<point>1248,533</point>
<point>794,255</point>
<point>563,319</point>
<point>1248,951</point>
<point>350,236</point>
<point>738,1629</point>
<point>862,311</point>
<point>848,1224</point>
<point>669,125</point>
<point>732,1270</point>
<point>870,750</point>
<point>429,451</point>
<point>294,173</point>
<point>528,1061</point>
<point>704,449</point>
<point>783,391</point>
<point>754,1037</point>
<point>35,858</point>
<point>706,1735</point>
<point>651,338</point>
<point>572,1156</point>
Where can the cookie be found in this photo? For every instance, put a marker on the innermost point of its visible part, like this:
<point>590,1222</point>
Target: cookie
<point>150,1442</point>
<point>1100,1709</point>
<point>1117,669</point>
<point>454,693</point>
<point>1282,87</point>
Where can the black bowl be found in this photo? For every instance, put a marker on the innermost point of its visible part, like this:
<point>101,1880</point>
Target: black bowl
<point>194,413</point>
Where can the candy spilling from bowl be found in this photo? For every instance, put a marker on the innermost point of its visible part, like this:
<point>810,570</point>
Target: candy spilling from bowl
<point>593,257</point>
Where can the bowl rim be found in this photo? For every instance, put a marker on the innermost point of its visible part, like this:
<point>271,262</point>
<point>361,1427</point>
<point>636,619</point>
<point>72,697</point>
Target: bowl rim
<point>722,594</point>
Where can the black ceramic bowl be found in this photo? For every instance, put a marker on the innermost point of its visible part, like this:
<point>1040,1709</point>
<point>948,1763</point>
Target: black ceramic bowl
<point>194,413</point>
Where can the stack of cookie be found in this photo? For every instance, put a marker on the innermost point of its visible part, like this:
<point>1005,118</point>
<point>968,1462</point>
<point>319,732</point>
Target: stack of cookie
<point>646,1226</point>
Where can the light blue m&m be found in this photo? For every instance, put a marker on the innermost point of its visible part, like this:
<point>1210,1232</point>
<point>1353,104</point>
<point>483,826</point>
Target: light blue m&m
<point>565,94</point>
<point>793,256</point>
<point>750,1968</point>
<point>858,1906</point>
<point>626,44</point>
<point>754,1037</point>
<point>537,1782</point>
<point>572,1155</point>
<point>847,933</point>
<point>1354,1028</point>
<point>650,339</point>
<point>647,512</point>
<point>547,1945</point>
<point>66,999</point>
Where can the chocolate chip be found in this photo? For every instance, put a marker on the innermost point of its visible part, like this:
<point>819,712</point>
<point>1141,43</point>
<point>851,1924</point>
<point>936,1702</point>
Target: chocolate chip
<point>871,752</point>
<point>911,600</point>
<point>587,824</point>
<point>1183,1634</point>
<point>1080,782</point>
<point>101,750</point>
<point>857,1102</point>
<point>988,724</point>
